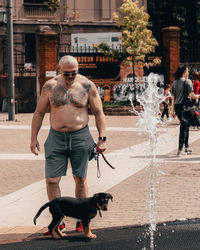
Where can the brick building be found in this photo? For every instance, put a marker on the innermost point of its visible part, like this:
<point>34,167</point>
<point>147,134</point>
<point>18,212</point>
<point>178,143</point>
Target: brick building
<point>40,35</point>
<point>38,31</point>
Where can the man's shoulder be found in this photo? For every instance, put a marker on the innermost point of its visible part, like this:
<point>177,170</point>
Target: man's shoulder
<point>84,81</point>
<point>189,85</point>
<point>188,81</point>
<point>175,84</point>
<point>83,78</point>
<point>51,83</point>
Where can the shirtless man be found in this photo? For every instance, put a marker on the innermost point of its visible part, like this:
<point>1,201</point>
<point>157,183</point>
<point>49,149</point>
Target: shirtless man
<point>67,97</point>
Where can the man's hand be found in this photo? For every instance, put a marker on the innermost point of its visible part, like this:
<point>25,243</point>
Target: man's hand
<point>35,145</point>
<point>101,146</point>
<point>173,114</point>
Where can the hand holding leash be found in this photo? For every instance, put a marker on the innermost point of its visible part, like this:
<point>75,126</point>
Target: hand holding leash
<point>101,146</point>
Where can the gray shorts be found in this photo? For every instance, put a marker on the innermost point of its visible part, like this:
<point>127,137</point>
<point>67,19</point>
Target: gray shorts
<point>61,146</point>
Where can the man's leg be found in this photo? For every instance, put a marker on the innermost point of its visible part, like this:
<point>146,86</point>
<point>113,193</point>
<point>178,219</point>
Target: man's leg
<point>181,137</point>
<point>81,191</point>
<point>81,187</point>
<point>167,111</point>
<point>53,189</point>
<point>187,137</point>
<point>163,113</point>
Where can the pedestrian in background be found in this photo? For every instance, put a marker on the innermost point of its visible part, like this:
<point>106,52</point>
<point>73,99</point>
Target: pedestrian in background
<point>167,95</point>
<point>196,86</point>
<point>196,83</point>
<point>181,87</point>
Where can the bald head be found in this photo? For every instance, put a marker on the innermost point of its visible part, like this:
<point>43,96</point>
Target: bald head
<point>68,60</point>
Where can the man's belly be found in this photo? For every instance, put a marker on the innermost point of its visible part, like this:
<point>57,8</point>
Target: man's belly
<point>64,121</point>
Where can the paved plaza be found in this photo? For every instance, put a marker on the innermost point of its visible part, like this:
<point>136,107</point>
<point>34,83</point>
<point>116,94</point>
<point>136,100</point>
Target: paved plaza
<point>177,181</point>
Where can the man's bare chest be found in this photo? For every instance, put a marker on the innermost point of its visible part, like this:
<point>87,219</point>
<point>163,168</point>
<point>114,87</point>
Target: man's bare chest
<point>60,96</point>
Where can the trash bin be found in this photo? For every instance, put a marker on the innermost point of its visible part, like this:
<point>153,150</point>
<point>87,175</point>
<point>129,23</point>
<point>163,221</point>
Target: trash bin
<point>5,105</point>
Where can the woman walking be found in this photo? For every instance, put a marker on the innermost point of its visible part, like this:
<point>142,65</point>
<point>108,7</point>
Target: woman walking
<point>181,88</point>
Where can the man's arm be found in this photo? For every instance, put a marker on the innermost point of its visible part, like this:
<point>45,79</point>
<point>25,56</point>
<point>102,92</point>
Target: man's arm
<point>172,106</point>
<point>97,110</point>
<point>38,117</point>
<point>193,96</point>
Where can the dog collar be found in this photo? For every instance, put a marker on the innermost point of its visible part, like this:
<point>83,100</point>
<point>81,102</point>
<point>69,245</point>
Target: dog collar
<point>94,206</point>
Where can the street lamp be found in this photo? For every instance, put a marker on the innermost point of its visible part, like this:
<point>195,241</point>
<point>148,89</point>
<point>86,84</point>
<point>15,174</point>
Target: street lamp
<point>11,85</point>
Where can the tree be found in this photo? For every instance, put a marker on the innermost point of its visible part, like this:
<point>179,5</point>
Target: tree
<point>53,5</point>
<point>61,18</point>
<point>184,14</point>
<point>137,39</point>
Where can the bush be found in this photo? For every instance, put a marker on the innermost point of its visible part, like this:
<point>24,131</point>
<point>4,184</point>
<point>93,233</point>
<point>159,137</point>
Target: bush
<point>116,104</point>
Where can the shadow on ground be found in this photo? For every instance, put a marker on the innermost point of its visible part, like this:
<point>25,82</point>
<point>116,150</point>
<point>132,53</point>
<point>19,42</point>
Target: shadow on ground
<point>168,236</point>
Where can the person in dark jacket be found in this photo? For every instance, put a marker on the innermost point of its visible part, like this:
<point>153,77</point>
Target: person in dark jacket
<point>180,86</point>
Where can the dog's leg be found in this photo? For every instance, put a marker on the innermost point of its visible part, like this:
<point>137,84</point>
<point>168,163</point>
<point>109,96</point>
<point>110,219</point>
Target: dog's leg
<point>53,226</point>
<point>87,230</point>
<point>58,229</point>
<point>54,232</point>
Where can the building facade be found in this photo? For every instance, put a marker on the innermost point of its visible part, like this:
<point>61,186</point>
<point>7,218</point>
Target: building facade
<point>34,23</point>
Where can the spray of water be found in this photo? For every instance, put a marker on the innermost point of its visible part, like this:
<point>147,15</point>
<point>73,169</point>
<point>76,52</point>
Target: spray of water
<point>148,125</point>
<point>134,111</point>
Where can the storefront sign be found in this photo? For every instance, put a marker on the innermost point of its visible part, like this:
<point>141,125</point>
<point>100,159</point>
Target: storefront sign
<point>97,65</point>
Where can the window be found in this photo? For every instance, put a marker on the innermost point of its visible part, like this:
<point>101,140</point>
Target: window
<point>97,10</point>
<point>106,9</point>
<point>30,47</point>
<point>34,1</point>
<point>102,10</point>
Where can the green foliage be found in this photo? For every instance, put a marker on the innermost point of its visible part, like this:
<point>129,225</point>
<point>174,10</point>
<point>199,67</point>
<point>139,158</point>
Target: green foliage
<point>116,104</point>
<point>120,55</point>
<point>137,39</point>
<point>184,14</point>
<point>53,4</point>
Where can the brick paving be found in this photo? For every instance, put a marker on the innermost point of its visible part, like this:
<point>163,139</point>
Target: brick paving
<point>177,184</point>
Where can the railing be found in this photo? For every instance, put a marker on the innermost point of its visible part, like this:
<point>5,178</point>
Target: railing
<point>21,68</point>
<point>64,48</point>
<point>37,10</point>
<point>190,52</point>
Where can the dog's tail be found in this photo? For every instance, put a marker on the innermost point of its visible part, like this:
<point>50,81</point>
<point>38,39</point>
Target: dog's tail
<point>40,211</point>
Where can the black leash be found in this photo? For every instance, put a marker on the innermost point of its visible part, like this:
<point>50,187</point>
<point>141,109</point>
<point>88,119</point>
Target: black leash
<point>98,168</point>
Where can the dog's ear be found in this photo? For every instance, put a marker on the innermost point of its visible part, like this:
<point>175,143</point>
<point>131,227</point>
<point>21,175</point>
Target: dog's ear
<point>95,196</point>
<point>109,196</point>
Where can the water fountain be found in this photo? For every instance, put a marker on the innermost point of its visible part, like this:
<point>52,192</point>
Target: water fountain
<point>148,122</point>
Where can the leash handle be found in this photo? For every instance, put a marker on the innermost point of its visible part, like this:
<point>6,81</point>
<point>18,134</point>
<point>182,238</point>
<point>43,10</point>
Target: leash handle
<point>98,168</point>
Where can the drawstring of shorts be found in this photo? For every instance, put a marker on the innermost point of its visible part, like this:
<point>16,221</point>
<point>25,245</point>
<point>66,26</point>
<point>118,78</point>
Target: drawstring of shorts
<point>70,142</point>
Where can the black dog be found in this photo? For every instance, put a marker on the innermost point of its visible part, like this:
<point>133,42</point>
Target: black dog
<point>79,208</point>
